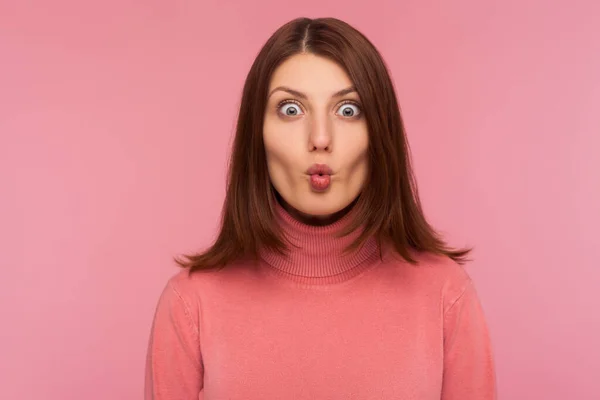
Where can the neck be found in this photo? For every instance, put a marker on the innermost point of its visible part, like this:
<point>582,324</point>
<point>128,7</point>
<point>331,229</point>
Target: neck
<point>316,255</point>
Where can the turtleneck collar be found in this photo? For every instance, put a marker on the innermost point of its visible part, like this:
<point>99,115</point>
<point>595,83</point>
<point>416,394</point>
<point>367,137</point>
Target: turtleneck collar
<point>316,255</point>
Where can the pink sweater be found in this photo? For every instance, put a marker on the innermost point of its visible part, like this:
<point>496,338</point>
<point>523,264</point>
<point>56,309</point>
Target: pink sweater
<point>319,325</point>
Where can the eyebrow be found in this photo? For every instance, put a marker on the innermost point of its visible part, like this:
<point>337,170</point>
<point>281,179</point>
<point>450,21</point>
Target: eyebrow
<point>301,95</point>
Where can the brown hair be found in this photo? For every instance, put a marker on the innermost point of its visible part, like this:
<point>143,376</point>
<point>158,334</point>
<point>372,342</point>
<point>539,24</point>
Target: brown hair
<point>388,207</point>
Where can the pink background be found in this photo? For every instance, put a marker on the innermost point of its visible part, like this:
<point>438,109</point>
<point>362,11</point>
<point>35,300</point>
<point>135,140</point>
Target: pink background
<point>115,124</point>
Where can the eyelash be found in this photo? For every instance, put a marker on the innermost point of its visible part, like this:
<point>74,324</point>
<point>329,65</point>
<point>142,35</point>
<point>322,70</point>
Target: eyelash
<point>354,103</point>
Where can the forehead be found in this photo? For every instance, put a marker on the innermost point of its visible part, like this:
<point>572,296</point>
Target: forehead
<point>312,74</point>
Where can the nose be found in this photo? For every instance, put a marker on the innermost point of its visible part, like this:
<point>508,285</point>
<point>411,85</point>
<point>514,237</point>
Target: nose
<point>320,138</point>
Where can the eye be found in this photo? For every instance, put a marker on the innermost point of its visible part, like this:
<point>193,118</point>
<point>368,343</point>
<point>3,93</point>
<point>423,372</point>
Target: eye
<point>289,108</point>
<point>350,109</point>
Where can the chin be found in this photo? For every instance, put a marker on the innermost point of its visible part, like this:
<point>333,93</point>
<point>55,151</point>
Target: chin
<point>321,207</point>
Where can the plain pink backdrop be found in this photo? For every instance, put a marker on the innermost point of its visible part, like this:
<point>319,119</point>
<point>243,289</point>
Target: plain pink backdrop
<point>115,124</point>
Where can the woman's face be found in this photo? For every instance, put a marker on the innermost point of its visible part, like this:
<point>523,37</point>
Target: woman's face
<point>305,124</point>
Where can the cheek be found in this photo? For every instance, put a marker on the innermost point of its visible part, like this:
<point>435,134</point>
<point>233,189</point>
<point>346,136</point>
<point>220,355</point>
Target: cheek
<point>282,144</point>
<point>278,153</point>
<point>359,171</point>
<point>357,151</point>
<point>281,161</point>
<point>358,163</point>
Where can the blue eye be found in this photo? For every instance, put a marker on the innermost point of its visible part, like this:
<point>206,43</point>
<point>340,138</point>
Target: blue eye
<point>350,110</point>
<point>290,109</point>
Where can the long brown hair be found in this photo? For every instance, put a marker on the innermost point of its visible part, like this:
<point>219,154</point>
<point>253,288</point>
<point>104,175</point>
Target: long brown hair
<point>388,207</point>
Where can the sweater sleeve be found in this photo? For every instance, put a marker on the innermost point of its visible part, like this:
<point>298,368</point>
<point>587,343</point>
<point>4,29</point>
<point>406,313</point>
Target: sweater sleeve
<point>174,369</point>
<point>468,360</point>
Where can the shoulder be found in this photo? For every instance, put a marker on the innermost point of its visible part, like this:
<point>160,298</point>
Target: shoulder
<point>433,275</point>
<point>192,287</point>
<point>181,297</point>
<point>188,286</point>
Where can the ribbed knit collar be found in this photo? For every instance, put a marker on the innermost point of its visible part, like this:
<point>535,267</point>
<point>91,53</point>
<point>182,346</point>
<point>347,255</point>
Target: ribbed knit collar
<point>316,255</point>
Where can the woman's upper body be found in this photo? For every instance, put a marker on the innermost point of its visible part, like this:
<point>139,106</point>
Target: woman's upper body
<point>320,150</point>
<point>321,325</point>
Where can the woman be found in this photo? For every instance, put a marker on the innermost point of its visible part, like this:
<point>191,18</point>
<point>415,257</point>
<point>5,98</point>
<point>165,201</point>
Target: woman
<point>325,281</point>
